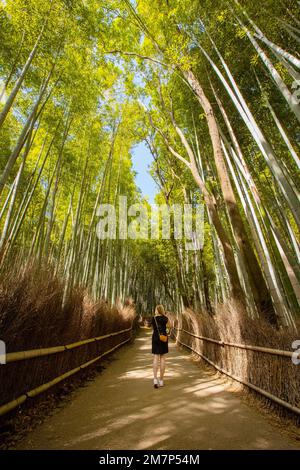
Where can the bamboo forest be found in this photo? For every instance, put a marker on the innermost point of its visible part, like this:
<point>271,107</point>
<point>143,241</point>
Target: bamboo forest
<point>114,114</point>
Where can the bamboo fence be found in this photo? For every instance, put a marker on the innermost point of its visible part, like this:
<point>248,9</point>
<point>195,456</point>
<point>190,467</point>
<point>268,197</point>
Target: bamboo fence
<point>224,344</point>
<point>26,355</point>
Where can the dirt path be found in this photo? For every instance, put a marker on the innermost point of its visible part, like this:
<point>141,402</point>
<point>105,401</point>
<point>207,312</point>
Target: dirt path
<point>120,409</point>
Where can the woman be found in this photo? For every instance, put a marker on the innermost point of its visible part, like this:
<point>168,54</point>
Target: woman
<point>160,323</point>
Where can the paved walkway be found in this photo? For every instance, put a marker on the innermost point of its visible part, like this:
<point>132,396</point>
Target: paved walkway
<point>120,409</point>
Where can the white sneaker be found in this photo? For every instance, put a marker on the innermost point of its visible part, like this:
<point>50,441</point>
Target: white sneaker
<point>161,383</point>
<point>155,383</point>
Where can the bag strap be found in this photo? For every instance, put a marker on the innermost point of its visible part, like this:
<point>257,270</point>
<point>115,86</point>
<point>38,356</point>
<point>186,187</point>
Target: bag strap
<point>156,325</point>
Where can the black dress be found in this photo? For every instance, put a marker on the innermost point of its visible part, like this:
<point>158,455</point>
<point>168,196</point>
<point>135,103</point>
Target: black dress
<point>158,346</point>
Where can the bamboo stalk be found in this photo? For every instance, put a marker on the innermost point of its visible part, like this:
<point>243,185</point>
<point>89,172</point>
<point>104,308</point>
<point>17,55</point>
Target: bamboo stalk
<point>12,404</point>
<point>276,352</point>
<point>22,355</point>
<point>210,340</point>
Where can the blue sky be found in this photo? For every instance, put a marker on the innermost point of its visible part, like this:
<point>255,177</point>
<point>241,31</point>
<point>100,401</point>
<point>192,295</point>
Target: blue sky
<point>141,160</point>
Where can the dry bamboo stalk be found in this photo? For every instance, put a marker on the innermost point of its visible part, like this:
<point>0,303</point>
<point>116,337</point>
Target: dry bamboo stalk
<point>42,388</point>
<point>12,404</point>
<point>276,352</point>
<point>211,340</point>
<point>80,343</point>
<point>22,355</point>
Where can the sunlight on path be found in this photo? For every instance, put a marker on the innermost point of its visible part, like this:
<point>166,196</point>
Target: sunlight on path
<point>120,409</point>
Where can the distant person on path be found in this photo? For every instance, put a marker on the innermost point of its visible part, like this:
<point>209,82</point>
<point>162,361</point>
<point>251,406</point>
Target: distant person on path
<point>160,323</point>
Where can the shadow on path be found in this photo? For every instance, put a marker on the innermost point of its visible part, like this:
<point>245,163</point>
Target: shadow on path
<point>120,409</point>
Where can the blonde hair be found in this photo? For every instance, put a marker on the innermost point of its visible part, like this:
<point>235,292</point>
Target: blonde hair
<point>159,310</point>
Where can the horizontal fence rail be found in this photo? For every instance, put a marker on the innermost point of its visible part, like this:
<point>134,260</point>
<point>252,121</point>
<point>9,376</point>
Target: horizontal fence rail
<point>259,390</point>
<point>22,355</point>
<point>276,352</point>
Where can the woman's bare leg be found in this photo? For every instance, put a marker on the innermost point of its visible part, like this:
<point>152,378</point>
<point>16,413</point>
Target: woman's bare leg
<point>162,366</point>
<point>155,365</point>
